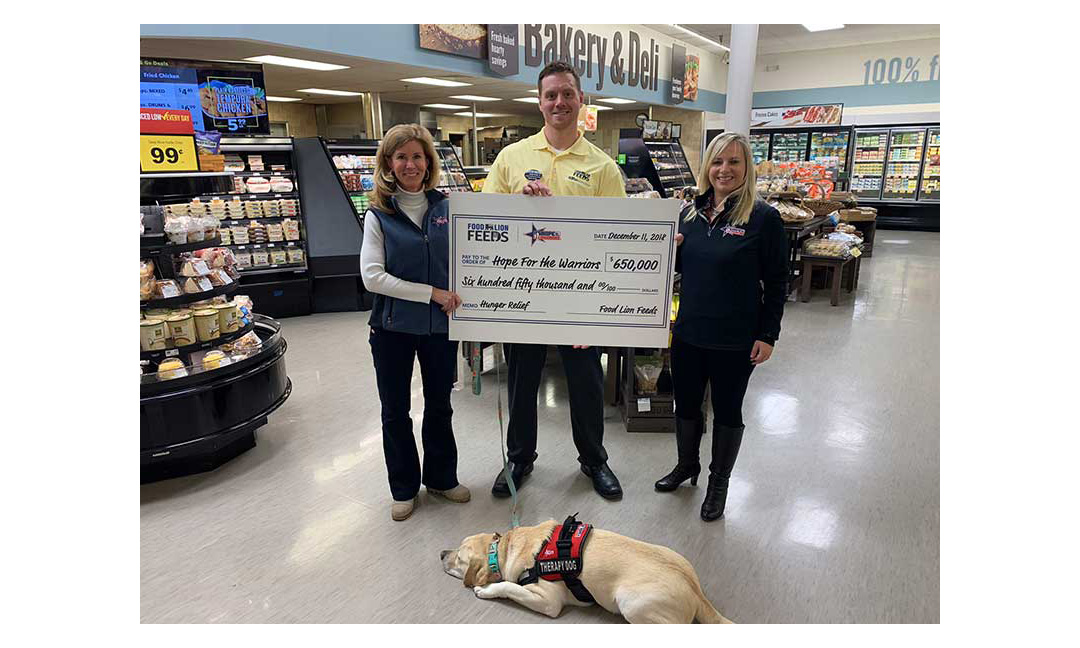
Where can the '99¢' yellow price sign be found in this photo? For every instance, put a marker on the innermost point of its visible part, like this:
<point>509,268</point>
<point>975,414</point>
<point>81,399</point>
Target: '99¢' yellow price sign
<point>167,153</point>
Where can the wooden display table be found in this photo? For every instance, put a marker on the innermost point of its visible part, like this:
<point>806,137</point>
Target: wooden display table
<point>841,270</point>
<point>797,233</point>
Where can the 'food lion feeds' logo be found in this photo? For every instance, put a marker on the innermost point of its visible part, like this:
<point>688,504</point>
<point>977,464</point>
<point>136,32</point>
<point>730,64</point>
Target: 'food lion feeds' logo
<point>580,177</point>
<point>543,235</point>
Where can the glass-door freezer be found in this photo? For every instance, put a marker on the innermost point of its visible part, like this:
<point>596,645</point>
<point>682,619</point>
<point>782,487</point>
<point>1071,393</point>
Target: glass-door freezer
<point>830,144</point>
<point>789,147</point>
<point>868,162</point>
<point>930,189</point>
<point>902,165</point>
<point>759,147</point>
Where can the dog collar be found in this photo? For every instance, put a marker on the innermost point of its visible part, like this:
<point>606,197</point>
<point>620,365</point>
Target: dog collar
<point>493,558</point>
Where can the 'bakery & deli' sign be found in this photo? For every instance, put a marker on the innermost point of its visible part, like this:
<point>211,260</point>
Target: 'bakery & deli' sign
<point>629,62</point>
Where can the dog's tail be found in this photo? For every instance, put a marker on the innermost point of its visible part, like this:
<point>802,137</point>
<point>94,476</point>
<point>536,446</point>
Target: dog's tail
<point>706,613</point>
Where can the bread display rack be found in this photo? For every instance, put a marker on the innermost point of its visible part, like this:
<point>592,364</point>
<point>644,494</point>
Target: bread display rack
<point>201,403</point>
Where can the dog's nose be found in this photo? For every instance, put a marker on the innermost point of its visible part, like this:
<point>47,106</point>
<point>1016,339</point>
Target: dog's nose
<point>444,554</point>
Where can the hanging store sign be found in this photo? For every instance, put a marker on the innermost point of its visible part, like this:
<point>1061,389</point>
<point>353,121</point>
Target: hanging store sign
<point>796,116</point>
<point>462,40</point>
<point>503,49</point>
<point>624,61</point>
<point>690,81</point>
<point>678,73</point>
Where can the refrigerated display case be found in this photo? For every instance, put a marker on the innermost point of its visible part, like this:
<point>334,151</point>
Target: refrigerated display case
<point>662,162</point>
<point>831,145</point>
<point>930,189</point>
<point>868,162</point>
<point>789,147</point>
<point>452,178</point>
<point>759,146</point>
<point>903,163</point>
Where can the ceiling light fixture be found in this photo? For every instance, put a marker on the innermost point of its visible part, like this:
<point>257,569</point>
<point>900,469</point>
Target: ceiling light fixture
<point>816,27</point>
<point>269,98</point>
<point>707,40</point>
<point>479,114</point>
<point>336,93</point>
<point>293,62</point>
<point>436,82</point>
<point>474,98</point>
<point>600,107</point>
<point>445,106</point>
<point>616,100</point>
<point>534,100</point>
<point>534,91</point>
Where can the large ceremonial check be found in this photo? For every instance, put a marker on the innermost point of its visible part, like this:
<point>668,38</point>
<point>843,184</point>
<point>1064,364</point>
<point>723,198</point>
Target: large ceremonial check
<point>562,270</point>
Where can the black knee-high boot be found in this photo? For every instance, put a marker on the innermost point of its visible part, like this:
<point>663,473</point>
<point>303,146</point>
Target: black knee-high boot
<point>725,448</point>
<point>687,441</point>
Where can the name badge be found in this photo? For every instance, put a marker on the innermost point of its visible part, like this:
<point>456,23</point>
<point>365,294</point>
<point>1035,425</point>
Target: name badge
<point>533,174</point>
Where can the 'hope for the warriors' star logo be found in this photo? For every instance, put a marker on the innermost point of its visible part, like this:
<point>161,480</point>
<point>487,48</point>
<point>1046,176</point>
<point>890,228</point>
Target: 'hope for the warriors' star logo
<point>542,234</point>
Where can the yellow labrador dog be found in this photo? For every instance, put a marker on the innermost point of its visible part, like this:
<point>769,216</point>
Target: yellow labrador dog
<point>645,583</point>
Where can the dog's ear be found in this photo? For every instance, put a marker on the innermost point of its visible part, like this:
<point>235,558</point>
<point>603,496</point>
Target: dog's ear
<point>471,574</point>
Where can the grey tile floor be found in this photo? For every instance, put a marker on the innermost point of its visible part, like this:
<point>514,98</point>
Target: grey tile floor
<point>833,514</point>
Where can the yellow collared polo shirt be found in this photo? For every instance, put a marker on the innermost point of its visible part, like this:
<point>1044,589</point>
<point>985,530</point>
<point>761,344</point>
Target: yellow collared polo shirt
<point>581,170</point>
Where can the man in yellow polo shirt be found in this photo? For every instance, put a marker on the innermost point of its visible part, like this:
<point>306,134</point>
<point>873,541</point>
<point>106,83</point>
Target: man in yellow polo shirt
<point>557,161</point>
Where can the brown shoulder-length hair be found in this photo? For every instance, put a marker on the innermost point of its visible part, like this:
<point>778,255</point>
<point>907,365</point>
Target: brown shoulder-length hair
<point>746,195</point>
<point>395,138</point>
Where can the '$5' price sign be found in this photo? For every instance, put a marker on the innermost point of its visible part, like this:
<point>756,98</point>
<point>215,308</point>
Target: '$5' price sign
<point>167,153</point>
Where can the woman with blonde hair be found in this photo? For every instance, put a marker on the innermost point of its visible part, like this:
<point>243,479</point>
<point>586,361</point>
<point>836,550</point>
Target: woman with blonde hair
<point>733,258</point>
<point>404,260</point>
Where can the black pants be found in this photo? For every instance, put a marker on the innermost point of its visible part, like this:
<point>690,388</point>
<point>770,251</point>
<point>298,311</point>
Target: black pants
<point>585,382</point>
<point>393,354</point>
<point>727,373</point>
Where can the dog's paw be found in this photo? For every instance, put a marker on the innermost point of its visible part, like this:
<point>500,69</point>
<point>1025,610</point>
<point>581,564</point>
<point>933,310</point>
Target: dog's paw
<point>482,592</point>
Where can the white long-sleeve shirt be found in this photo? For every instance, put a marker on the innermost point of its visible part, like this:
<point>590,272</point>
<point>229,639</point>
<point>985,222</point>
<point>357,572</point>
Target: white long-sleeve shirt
<point>373,253</point>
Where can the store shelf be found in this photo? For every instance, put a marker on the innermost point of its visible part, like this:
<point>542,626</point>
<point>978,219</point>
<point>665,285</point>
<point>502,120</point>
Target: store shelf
<point>225,338</point>
<point>230,222</point>
<point>259,246</point>
<point>249,196</point>
<point>190,298</point>
<point>272,269</point>
<point>151,249</point>
<point>249,174</point>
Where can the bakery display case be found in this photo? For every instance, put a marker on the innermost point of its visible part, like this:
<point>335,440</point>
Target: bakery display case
<point>903,163</point>
<point>476,176</point>
<point>211,370</point>
<point>868,162</point>
<point>759,147</point>
<point>662,162</point>
<point>930,189</point>
<point>263,222</point>
<point>452,177</point>
<point>354,162</point>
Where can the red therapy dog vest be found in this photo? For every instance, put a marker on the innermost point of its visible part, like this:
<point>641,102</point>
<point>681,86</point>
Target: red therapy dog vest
<point>560,559</point>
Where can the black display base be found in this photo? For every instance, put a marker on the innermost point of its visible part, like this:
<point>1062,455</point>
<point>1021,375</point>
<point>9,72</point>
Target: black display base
<point>925,217</point>
<point>221,452</point>
<point>337,294</point>
<point>279,299</point>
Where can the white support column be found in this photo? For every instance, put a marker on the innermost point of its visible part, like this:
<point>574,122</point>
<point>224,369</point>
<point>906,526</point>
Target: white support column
<point>740,85</point>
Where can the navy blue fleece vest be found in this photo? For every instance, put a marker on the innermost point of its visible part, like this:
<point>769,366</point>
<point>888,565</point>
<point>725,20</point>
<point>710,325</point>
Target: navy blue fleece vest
<point>417,254</point>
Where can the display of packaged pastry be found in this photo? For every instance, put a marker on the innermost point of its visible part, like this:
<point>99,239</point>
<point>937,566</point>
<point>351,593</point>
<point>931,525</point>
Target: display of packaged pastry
<point>275,233</point>
<point>258,184</point>
<point>166,288</point>
<point>277,257</point>
<point>245,343</point>
<point>152,335</point>
<point>243,259</point>
<point>171,368</point>
<point>255,163</point>
<point>192,266</point>
<point>207,327</point>
<point>291,229</point>
<point>239,235</point>
<point>182,329</point>
<point>294,255</point>
<point>257,232</point>
<point>280,184</point>
<point>146,280</point>
<point>234,162</point>
<point>214,359</point>
<point>195,285</point>
<point>260,258</point>
<point>226,235</point>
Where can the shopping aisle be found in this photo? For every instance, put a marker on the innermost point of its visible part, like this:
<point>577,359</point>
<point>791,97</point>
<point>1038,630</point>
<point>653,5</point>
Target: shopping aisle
<point>833,514</point>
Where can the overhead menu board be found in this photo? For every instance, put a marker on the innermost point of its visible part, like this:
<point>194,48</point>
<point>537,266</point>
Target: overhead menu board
<point>221,96</point>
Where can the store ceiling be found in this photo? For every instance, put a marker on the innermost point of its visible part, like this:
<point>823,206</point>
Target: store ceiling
<point>776,39</point>
<point>385,78</point>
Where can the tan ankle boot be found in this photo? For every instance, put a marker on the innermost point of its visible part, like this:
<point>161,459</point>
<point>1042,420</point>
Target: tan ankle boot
<point>458,494</point>
<point>402,510</point>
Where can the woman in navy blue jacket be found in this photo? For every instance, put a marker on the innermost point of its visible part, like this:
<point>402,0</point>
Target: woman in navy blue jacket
<point>733,258</point>
<point>404,261</point>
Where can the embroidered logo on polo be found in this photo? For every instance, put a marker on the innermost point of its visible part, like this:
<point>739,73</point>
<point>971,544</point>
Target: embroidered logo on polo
<point>543,234</point>
<point>533,174</point>
<point>440,220</point>
<point>734,231</point>
<point>580,177</point>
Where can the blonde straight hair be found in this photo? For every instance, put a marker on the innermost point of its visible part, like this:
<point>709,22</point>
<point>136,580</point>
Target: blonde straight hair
<point>395,138</point>
<point>745,195</point>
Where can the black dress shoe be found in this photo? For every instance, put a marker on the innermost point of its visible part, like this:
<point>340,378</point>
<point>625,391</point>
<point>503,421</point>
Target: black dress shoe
<point>715,498</point>
<point>604,481</point>
<point>518,472</point>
